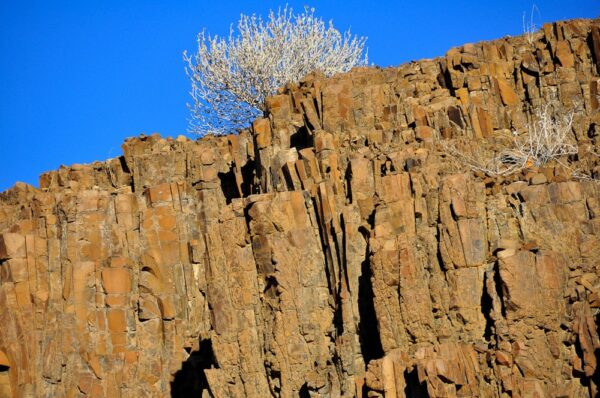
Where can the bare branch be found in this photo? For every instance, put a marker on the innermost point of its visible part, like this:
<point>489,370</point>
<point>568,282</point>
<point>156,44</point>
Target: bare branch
<point>547,139</point>
<point>231,77</point>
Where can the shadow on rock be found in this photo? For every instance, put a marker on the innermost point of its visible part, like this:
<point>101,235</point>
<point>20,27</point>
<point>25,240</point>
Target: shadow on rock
<point>191,381</point>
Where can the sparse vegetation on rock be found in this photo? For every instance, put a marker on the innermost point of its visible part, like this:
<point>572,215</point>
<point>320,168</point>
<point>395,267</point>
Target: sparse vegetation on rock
<point>231,77</point>
<point>329,250</point>
<point>548,138</point>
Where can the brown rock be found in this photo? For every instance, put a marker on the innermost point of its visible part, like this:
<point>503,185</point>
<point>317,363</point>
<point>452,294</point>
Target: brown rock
<point>116,320</point>
<point>503,358</point>
<point>332,250</point>
<point>507,93</point>
<point>262,130</point>
<point>595,35</point>
<point>538,179</point>
<point>564,55</point>
<point>424,133</point>
<point>12,246</point>
<point>116,280</point>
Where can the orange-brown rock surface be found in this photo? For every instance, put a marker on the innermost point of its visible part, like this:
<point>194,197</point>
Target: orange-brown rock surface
<point>332,250</point>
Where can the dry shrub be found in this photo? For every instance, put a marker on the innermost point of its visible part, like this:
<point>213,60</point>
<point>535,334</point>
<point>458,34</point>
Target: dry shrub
<point>231,77</point>
<point>547,139</point>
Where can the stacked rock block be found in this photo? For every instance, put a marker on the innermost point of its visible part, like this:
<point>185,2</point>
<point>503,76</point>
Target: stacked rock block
<point>332,249</point>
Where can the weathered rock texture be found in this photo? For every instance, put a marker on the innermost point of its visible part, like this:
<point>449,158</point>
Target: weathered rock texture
<point>331,250</point>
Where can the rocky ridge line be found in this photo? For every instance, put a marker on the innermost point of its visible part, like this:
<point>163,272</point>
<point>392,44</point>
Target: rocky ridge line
<point>331,250</point>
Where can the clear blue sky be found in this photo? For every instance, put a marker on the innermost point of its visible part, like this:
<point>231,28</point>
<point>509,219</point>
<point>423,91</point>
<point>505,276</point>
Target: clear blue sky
<point>78,77</point>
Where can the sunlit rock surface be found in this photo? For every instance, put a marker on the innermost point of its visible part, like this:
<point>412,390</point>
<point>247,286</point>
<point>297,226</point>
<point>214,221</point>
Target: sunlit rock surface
<point>332,250</point>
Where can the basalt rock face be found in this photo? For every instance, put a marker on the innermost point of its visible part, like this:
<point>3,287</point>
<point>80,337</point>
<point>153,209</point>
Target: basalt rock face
<point>331,250</point>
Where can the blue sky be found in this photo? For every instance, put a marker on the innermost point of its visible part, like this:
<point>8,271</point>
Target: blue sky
<point>78,77</point>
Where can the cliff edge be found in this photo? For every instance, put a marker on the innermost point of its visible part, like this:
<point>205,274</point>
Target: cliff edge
<point>332,250</point>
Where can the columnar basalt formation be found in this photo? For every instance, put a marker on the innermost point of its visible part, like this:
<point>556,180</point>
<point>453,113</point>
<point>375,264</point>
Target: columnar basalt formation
<point>333,249</point>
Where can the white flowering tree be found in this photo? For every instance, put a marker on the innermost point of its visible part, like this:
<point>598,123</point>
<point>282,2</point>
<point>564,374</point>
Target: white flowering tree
<point>231,77</point>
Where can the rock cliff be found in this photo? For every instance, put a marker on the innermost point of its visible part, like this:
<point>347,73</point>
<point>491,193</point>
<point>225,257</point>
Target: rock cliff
<point>332,250</point>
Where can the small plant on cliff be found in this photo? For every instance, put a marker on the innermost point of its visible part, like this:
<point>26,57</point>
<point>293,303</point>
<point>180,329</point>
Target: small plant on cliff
<point>547,139</point>
<point>529,27</point>
<point>231,77</point>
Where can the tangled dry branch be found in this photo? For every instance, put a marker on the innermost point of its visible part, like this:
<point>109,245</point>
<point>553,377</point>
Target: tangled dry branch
<point>548,138</point>
<point>231,77</point>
